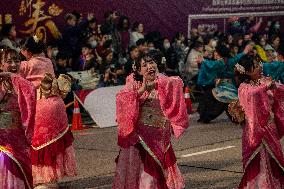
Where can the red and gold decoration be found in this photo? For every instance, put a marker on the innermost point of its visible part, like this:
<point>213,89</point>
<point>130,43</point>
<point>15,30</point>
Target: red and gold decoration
<point>39,18</point>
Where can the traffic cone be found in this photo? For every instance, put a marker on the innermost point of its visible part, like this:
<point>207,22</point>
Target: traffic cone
<point>77,119</point>
<point>188,100</point>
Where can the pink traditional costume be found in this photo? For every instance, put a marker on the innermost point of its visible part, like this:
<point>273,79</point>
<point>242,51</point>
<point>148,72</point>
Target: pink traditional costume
<point>263,159</point>
<point>146,159</point>
<point>17,111</point>
<point>53,154</point>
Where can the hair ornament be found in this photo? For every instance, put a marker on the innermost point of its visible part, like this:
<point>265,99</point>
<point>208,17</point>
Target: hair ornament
<point>164,60</point>
<point>36,39</point>
<point>240,69</point>
<point>134,68</point>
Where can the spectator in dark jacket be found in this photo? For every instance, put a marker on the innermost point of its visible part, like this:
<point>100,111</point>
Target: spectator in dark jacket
<point>133,54</point>
<point>71,37</point>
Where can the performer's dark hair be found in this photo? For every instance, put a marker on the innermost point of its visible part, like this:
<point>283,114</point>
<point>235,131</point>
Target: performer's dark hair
<point>131,48</point>
<point>140,42</point>
<point>34,47</point>
<point>247,61</point>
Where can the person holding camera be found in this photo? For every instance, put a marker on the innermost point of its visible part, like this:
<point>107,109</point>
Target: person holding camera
<point>112,72</point>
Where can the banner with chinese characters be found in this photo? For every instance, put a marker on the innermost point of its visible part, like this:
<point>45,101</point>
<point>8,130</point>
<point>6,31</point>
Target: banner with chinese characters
<point>46,17</point>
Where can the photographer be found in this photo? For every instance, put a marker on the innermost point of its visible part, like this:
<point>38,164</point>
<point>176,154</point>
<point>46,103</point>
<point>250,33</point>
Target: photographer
<point>112,72</point>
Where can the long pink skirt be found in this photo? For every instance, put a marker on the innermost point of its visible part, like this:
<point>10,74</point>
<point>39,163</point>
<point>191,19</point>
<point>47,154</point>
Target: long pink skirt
<point>134,171</point>
<point>54,161</point>
<point>263,172</point>
<point>11,176</point>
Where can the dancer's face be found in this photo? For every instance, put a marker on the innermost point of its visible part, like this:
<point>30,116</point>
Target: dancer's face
<point>10,63</point>
<point>149,70</point>
<point>255,72</point>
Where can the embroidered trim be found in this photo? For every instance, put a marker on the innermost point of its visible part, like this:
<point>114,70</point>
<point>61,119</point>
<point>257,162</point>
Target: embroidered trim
<point>52,141</point>
<point>145,146</point>
<point>254,154</point>
<point>150,116</point>
<point>168,147</point>
<point>272,155</point>
<point>263,145</point>
<point>5,151</point>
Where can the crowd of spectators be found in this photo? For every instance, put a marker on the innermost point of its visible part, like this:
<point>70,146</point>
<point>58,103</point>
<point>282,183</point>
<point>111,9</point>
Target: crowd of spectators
<point>110,48</point>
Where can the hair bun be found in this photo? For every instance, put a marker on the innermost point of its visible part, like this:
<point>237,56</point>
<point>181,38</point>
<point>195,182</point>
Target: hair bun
<point>46,85</point>
<point>51,86</point>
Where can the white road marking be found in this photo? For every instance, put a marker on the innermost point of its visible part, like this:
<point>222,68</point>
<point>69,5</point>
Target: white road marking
<point>207,151</point>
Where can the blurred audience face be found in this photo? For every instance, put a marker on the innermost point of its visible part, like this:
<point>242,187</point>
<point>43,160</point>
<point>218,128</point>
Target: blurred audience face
<point>167,44</point>
<point>72,21</point>
<point>134,53</point>
<point>103,39</point>
<point>125,24</point>
<point>271,55</point>
<point>194,32</point>
<point>143,48</point>
<point>109,57</point>
<point>216,56</point>
<point>93,25</point>
<point>140,28</point>
<point>276,42</point>
<point>262,42</point>
<point>240,42</point>
<point>62,62</point>
<point>86,51</point>
<point>151,46</point>
<point>115,15</point>
<point>93,41</point>
<point>235,50</point>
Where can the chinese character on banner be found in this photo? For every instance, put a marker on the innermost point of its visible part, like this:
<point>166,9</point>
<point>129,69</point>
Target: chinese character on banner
<point>38,21</point>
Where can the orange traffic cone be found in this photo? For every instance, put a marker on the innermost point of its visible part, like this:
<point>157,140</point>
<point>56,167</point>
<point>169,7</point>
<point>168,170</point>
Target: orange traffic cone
<point>77,119</point>
<point>188,100</point>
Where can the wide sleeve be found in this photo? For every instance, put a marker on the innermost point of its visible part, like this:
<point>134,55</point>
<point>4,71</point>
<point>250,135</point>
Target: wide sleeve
<point>130,78</point>
<point>27,103</point>
<point>23,70</point>
<point>127,112</point>
<point>279,109</point>
<point>173,104</point>
<point>255,103</point>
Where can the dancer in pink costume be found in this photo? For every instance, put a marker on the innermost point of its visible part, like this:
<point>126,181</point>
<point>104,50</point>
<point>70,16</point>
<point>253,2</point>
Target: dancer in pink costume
<point>149,109</point>
<point>17,113</point>
<point>53,155</point>
<point>263,105</point>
